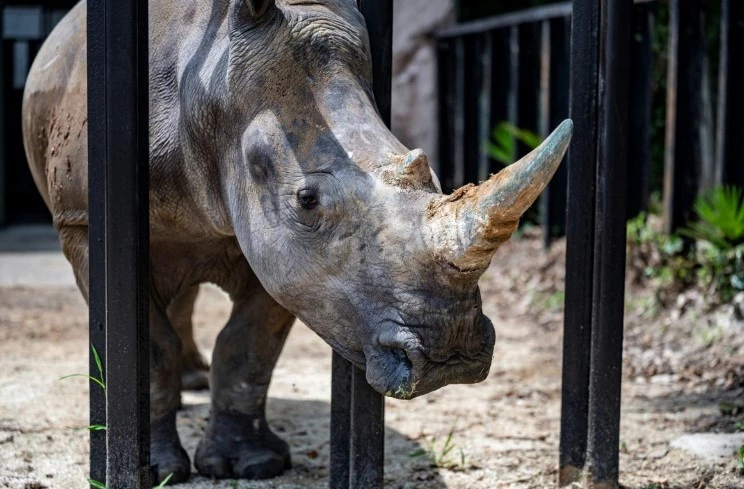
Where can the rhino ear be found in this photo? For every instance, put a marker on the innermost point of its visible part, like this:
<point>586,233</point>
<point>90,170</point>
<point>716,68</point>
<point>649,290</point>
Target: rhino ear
<point>252,10</point>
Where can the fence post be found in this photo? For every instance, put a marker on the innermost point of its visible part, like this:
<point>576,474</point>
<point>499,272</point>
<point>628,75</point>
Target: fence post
<point>445,87</point>
<point>119,234</point>
<point>97,227</point>
<point>357,443</point>
<point>554,97</point>
<point>683,152</point>
<point>639,141</point>
<point>603,439</point>
<point>582,154</point>
<point>730,137</point>
<point>528,99</point>
<point>500,85</point>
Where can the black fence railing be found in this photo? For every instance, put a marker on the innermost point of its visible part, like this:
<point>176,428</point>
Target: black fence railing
<point>515,68</point>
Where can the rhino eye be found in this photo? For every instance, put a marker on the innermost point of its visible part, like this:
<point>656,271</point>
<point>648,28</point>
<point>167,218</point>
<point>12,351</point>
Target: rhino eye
<point>307,198</point>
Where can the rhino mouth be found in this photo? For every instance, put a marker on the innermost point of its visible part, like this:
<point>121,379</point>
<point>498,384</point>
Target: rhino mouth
<point>399,367</point>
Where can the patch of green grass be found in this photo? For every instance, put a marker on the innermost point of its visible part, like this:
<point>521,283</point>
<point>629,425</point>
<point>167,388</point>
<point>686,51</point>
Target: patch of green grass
<point>442,456</point>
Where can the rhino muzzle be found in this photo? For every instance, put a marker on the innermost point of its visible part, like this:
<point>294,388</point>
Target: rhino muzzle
<point>400,366</point>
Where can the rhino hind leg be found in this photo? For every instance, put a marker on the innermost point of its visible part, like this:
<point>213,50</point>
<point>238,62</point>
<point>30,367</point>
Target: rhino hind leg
<point>238,442</point>
<point>166,451</point>
<point>195,375</point>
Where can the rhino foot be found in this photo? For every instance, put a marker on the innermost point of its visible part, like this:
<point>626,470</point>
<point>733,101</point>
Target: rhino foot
<point>166,452</point>
<point>241,446</point>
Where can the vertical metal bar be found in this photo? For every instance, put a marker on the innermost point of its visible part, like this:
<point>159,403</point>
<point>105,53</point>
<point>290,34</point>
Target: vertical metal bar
<point>471,93</point>
<point>367,434</point>
<point>554,199</point>
<point>458,170</point>
<point>639,141</point>
<point>730,137</point>
<point>603,439</point>
<point>529,81</point>
<point>585,30</point>
<point>125,134</point>
<point>97,226</point>
<point>444,116</point>
<point>512,102</point>
<point>554,52</point>
<point>684,111</point>
<point>500,83</point>
<point>340,422</point>
<point>367,405</point>
<point>484,109</point>
<point>2,117</point>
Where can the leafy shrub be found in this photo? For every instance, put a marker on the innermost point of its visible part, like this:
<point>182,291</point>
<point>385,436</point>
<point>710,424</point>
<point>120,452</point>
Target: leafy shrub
<point>503,147</point>
<point>721,218</point>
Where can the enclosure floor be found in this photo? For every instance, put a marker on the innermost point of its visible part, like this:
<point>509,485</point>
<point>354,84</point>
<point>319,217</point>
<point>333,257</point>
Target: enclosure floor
<point>505,429</point>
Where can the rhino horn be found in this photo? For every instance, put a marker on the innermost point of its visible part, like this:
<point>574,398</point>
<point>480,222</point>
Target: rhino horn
<point>411,170</point>
<point>469,225</point>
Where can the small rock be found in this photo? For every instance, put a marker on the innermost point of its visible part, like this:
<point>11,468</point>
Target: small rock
<point>710,446</point>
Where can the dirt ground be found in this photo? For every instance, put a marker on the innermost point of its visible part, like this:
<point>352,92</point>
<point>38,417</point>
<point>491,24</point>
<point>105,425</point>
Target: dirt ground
<point>505,430</point>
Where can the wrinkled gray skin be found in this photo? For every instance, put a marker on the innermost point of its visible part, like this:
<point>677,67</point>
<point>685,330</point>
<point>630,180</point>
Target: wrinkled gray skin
<point>273,177</point>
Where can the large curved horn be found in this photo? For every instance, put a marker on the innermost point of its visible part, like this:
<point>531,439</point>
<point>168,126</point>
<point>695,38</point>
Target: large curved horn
<point>468,225</point>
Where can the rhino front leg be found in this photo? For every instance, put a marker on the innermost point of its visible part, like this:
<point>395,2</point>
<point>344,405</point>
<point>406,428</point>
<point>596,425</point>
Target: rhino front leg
<point>195,367</point>
<point>166,364</point>
<point>238,442</point>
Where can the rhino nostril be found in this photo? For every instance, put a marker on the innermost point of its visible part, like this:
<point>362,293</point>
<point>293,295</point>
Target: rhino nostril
<point>401,356</point>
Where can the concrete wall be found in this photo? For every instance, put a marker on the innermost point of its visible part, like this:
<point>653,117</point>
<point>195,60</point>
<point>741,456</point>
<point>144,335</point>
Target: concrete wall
<point>414,97</point>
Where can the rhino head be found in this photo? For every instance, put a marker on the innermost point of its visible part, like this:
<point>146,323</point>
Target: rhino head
<point>343,225</point>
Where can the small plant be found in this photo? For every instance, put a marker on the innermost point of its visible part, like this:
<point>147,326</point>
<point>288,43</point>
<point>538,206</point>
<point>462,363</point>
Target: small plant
<point>741,458</point>
<point>101,485</point>
<point>721,218</point>
<point>442,457</point>
<point>503,147</point>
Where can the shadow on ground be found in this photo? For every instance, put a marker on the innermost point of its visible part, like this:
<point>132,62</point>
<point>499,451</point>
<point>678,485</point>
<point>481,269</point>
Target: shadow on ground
<point>305,425</point>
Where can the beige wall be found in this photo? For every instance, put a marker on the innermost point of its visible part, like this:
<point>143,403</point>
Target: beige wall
<point>414,97</point>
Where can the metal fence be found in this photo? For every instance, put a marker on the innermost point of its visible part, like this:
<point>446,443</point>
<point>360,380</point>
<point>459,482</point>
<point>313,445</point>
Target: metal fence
<point>592,59</point>
<point>515,68</point>
<point>603,79</point>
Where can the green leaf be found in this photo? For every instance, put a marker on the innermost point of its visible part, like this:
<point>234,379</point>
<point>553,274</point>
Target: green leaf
<point>93,379</point>
<point>97,358</point>
<point>165,481</point>
<point>96,484</point>
<point>418,453</point>
<point>96,427</point>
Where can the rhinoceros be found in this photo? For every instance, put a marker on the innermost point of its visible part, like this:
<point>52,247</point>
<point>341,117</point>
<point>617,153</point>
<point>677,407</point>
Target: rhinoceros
<point>273,176</point>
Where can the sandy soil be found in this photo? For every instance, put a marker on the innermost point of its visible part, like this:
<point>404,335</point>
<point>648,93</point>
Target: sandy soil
<point>505,429</point>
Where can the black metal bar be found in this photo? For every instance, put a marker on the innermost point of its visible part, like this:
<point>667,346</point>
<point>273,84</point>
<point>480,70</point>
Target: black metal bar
<point>639,141</point>
<point>471,93</point>
<point>526,16</point>
<point>484,109</point>
<point>528,105</point>
<point>603,440</point>
<point>500,83</point>
<point>445,89</point>
<point>554,109</point>
<point>512,101</point>
<point>2,118</point>
<point>119,139</point>
<point>730,137</point>
<point>459,162</point>
<point>366,409</point>
<point>340,422</point>
<point>367,434</point>
<point>97,227</point>
<point>684,111</point>
<point>585,31</point>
